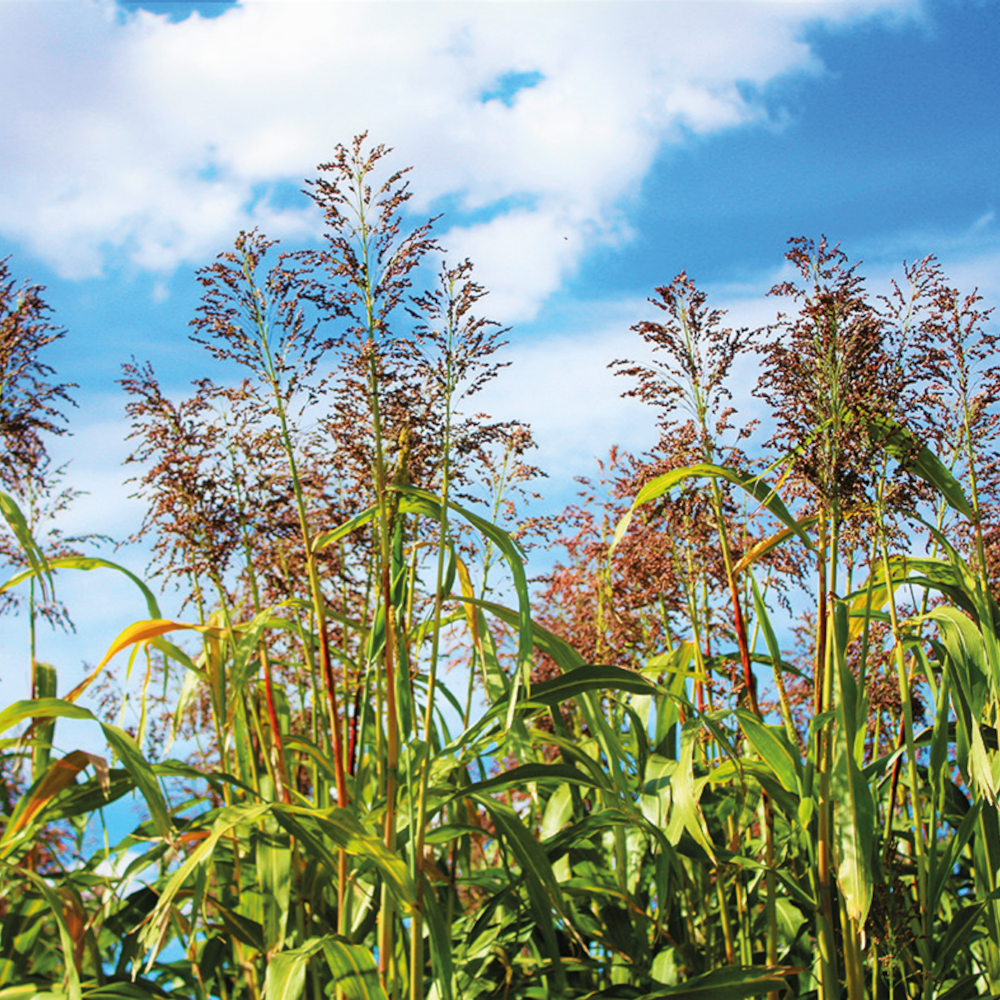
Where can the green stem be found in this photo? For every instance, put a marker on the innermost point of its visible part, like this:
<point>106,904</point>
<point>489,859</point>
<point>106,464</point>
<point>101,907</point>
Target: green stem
<point>823,680</point>
<point>416,928</point>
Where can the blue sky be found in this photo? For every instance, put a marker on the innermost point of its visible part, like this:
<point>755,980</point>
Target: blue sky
<point>582,152</point>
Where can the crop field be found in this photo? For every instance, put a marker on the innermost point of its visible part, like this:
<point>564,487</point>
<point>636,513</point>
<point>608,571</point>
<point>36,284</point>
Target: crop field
<point>739,739</point>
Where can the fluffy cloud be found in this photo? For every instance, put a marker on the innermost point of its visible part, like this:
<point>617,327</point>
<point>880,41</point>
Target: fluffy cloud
<point>129,138</point>
<point>564,388</point>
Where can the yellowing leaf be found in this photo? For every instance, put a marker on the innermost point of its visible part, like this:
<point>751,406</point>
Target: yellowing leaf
<point>138,632</point>
<point>60,775</point>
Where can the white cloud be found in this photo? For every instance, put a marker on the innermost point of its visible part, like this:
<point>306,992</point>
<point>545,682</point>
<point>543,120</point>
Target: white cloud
<point>524,253</point>
<point>968,252</point>
<point>128,137</point>
<point>563,386</point>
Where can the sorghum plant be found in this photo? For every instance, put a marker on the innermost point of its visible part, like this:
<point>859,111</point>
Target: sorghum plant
<point>693,356</point>
<point>631,819</point>
<point>31,405</point>
<point>32,408</point>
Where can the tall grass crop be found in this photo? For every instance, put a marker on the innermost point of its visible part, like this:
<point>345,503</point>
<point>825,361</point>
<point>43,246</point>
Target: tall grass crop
<point>662,796</point>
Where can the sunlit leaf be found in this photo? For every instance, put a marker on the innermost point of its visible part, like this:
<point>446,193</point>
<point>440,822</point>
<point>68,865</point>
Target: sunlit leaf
<point>726,984</point>
<point>60,776</point>
<point>756,487</point>
<point>914,456</point>
<point>32,552</point>
<point>771,743</point>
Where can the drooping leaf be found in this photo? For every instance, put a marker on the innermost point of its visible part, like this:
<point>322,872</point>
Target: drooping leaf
<point>87,563</point>
<point>139,632</point>
<point>774,748</point>
<point>914,456</point>
<point>152,935</point>
<point>286,972</point>
<point>733,983</point>
<point>518,777</point>
<point>59,776</point>
<point>753,485</point>
<point>57,910</point>
<point>543,890</point>
<point>139,768</point>
<point>590,677</point>
<point>762,548</point>
<point>22,532</point>
<point>353,968</point>
<point>330,829</point>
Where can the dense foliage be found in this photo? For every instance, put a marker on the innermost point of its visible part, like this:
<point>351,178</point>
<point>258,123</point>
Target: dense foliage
<point>637,788</point>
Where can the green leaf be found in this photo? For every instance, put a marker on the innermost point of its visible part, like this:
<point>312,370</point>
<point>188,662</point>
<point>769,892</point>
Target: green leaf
<point>286,971</point>
<point>46,686</point>
<point>915,457</point>
<point>964,657</point>
<point>439,935</point>
<point>580,833</point>
<point>423,502</point>
<point>589,677</point>
<point>41,708</point>
<point>245,930</point>
<point>727,984</point>
<point>35,556</point>
<point>418,501</point>
<point>325,538</point>
<point>56,905</point>
<point>518,777</point>
<point>274,874</point>
<point>686,789</point>
<point>855,826</point>
<point>354,969</point>
<point>956,938</point>
<point>33,805</point>
<point>548,642</point>
<point>87,563</point>
<point>753,485</point>
<point>339,828</point>
<point>122,744</point>
<point>948,578</point>
<point>142,773</point>
<point>773,747</point>
<point>544,893</point>
<point>125,990</point>
<point>225,820</point>
<point>248,637</point>
<point>352,966</point>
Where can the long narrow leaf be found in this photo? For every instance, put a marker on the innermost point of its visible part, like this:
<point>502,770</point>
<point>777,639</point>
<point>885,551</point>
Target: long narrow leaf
<point>87,563</point>
<point>753,485</point>
<point>22,532</point>
<point>727,984</point>
<point>914,456</point>
<point>772,744</point>
<point>59,776</point>
<point>544,893</point>
<point>139,632</point>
